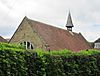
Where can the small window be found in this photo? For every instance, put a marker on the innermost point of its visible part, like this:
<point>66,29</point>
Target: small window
<point>70,29</point>
<point>31,47</point>
<point>27,45</point>
<point>97,45</point>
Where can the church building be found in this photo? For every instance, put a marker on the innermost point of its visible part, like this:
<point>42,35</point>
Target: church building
<point>33,34</point>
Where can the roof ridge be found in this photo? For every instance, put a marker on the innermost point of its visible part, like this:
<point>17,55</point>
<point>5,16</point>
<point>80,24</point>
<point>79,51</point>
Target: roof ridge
<point>97,40</point>
<point>46,24</point>
<point>49,25</point>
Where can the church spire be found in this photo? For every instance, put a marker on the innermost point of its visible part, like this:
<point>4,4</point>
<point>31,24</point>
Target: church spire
<point>69,24</point>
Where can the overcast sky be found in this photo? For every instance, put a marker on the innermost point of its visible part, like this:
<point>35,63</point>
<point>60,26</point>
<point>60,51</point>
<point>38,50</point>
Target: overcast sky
<point>85,15</point>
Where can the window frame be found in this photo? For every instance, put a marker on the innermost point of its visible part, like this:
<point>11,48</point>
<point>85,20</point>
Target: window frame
<point>27,45</point>
<point>97,45</point>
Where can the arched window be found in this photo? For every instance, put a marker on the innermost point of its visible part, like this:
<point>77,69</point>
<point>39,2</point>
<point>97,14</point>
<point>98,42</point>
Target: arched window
<point>27,45</point>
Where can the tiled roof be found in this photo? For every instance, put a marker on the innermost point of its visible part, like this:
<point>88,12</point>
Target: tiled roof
<point>58,38</point>
<point>2,39</point>
<point>98,40</point>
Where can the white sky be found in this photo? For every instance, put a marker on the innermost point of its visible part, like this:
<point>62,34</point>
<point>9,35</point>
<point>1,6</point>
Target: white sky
<point>85,15</point>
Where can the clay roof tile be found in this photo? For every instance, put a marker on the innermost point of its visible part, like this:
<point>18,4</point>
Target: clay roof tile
<point>58,38</point>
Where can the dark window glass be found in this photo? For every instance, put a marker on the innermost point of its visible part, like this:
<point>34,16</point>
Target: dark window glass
<point>31,46</point>
<point>28,45</point>
<point>24,43</point>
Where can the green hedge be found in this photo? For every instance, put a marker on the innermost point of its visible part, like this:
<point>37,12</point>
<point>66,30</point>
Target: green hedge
<point>15,61</point>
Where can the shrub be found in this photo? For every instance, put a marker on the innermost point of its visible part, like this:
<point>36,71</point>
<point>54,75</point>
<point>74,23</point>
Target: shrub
<point>15,61</point>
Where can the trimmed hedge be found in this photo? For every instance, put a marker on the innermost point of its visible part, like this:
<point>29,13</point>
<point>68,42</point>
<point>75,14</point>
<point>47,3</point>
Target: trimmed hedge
<point>15,61</point>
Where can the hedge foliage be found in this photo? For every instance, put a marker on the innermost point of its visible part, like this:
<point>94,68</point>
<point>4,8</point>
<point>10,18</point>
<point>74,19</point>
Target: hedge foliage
<point>15,61</point>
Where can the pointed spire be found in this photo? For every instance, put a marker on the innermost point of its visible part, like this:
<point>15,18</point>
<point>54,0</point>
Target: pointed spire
<point>69,24</point>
